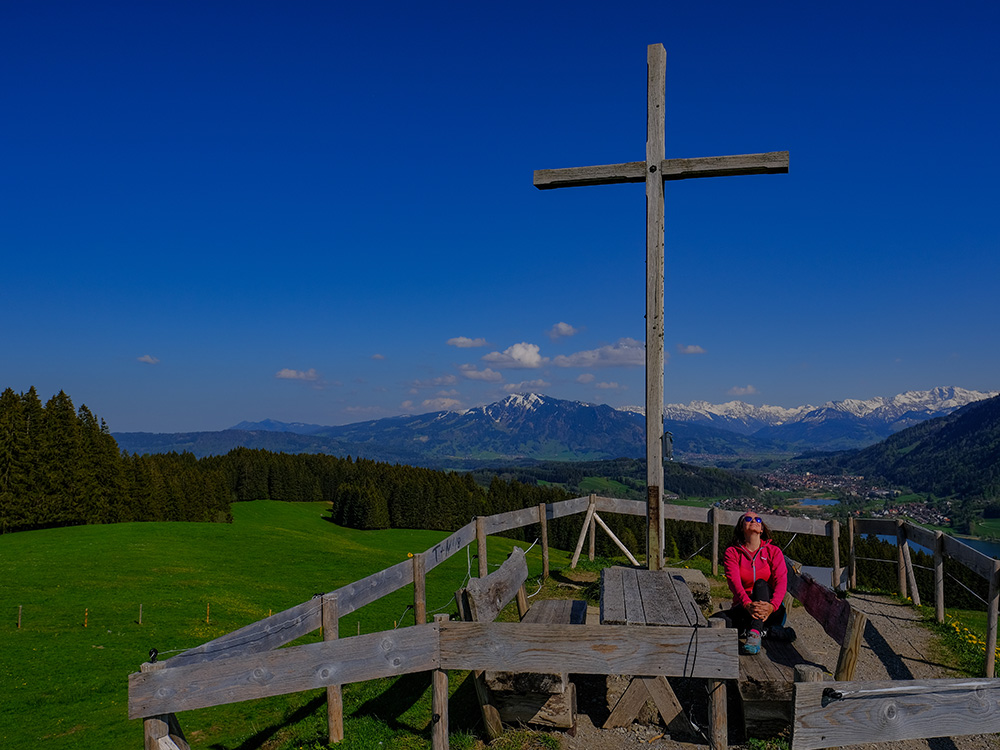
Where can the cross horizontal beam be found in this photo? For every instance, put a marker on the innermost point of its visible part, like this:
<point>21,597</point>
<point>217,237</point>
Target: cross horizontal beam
<point>774,162</point>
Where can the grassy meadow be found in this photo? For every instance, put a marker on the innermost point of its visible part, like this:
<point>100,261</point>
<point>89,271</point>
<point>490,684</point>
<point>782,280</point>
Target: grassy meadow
<point>65,685</point>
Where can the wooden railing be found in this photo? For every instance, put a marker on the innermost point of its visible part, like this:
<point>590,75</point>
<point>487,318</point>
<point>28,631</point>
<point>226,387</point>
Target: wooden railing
<point>246,664</point>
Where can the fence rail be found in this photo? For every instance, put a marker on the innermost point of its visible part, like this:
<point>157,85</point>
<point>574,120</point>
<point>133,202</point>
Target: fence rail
<point>247,663</point>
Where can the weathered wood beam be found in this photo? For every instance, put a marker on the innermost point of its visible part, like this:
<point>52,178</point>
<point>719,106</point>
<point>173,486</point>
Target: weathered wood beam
<point>288,670</point>
<point>847,713</point>
<point>774,162</point>
<point>585,649</point>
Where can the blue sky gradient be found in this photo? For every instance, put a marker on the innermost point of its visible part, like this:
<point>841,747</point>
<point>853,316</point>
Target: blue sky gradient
<point>323,212</point>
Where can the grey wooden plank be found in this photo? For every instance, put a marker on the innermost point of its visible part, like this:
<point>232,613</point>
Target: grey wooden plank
<point>866,526</point>
<point>514,519</point>
<point>450,545</point>
<point>601,174</point>
<point>557,612</point>
<point>263,635</point>
<point>685,513</point>
<point>567,507</point>
<point>612,597</point>
<point>787,524</point>
<point>355,595</point>
<point>488,595</point>
<point>635,614</point>
<point>661,604</point>
<point>590,649</point>
<point>620,506</point>
<point>900,709</point>
<point>920,535</point>
<point>774,162</point>
<point>972,559</point>
<point>288,670</point>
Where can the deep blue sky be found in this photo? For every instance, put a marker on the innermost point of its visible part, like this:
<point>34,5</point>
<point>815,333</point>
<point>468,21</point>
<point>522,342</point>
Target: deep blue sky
<point>219,211</point>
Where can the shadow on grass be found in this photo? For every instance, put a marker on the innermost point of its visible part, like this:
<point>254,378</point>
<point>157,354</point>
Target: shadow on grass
<point>390,706</point>
<point>264,736</point>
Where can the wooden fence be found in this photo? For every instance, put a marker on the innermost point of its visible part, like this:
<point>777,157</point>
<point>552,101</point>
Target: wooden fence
<point>246,664</point>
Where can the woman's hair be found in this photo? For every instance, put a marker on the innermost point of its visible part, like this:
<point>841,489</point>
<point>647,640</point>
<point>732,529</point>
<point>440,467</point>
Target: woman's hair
<point>738,538</point>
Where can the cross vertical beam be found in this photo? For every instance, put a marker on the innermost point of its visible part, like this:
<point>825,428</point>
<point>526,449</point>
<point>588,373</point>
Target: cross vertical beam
<point>654,171</point>
<point>656,73</point>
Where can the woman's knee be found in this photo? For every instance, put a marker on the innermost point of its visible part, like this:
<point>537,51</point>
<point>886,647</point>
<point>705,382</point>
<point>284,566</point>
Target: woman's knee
<point>761,591</point>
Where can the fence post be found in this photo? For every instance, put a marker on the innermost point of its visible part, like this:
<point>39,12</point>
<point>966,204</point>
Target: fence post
<point>334,696</point>
<point>439,701</point>
<point>939,576</point>
<point>901,563</point>
<point>162,726</point>
<point>911,574</point>
<point>715,540</point>
<point>544,523</point>
<point>419,588</point>
<point>718,720</point>
<point>991,620</point>
<point>835,536</point>
<point>592,531</point>
<point>591,509</point>
<point>481,546</point>
<point>654,534</point>
<point>852,559</point>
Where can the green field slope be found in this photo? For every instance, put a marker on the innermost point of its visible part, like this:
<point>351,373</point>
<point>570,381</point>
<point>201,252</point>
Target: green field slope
<point>65,685</point>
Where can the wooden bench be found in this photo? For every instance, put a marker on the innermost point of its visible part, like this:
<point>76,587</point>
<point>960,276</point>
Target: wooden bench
<point>766,679</point>
<point>546,699</point>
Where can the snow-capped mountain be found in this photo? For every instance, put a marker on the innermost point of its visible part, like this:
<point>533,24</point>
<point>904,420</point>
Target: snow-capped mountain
<point>533,426</point>
<point>834,425</point>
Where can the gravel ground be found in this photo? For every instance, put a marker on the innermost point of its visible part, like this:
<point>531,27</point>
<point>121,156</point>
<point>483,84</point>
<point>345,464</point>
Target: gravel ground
<point>896,647</point>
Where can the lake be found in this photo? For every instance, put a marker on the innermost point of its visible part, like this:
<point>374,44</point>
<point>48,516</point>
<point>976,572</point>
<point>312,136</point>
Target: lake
<point>816,501</point>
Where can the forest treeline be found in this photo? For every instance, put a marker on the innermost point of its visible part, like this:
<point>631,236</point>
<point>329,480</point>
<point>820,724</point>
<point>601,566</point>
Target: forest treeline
<point>59,466</point>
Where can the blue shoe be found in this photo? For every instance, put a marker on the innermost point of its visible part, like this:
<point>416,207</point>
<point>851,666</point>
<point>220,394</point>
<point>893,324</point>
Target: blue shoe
<point>752,643</point>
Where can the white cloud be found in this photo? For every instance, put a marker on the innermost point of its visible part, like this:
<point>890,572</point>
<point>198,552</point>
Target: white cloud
<point>740,390</point>
<point>519,355</point>
<point>287,373</point>
<point>626,353</point>
<point>378,356</point>
<point>562,329</point>
<point>435,382</point>
<point>462,342</point>
<point>690,349</point>
<point>612,386</point>
<point>526,385</point>
<point>471,373</point>
<point>587,377</point>
<point>442,404</point>
<point>149,359</point>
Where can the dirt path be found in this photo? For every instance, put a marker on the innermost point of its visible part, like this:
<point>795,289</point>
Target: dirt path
<point>896,647</point>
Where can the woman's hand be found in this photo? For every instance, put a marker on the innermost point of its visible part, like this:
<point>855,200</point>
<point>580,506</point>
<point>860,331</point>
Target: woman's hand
<point>761,610</point>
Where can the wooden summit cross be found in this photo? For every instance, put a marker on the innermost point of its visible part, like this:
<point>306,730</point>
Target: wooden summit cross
<point>654,172</point>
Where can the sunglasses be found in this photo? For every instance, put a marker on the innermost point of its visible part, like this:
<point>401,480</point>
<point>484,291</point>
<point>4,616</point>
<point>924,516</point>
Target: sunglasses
<point>752,519</point>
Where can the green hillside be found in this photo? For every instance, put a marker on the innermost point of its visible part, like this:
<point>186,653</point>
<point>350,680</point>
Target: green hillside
<point>65,685</point>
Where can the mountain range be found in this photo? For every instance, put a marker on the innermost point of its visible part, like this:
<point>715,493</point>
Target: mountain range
<point>536,427</point>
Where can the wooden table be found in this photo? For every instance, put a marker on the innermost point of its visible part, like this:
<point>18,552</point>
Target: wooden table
<point>632,596</point>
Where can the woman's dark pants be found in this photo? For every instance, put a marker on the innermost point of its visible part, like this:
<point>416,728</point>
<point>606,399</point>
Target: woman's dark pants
<point>745,623</point>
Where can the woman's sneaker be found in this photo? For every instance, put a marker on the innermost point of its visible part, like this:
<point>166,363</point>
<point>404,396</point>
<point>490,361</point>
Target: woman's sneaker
<point>752,644</point>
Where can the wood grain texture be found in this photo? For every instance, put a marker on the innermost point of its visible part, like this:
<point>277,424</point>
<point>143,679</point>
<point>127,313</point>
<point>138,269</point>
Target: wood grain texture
<point>866,526</point>
<point>568,507</point>
<point>850,649</point>
<point>819,601</point>
<point>970,558</point>
<point>439,702</point>
<point>514,519</point>
<point>787,524</point>
<point>623,507</point>
<point>450,545</point>
<point>288,670</point>
<point>334,694</point>
<point>488,595</point>
<point>615,539</point>
<point>590,649</point>
<point>891,711</point>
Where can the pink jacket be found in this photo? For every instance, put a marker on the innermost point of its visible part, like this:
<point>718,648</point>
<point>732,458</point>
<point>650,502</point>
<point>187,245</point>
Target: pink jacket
<point>743,568</point>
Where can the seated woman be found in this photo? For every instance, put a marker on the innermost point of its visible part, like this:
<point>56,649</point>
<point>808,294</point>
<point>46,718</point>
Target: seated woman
<point>756,574</point>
